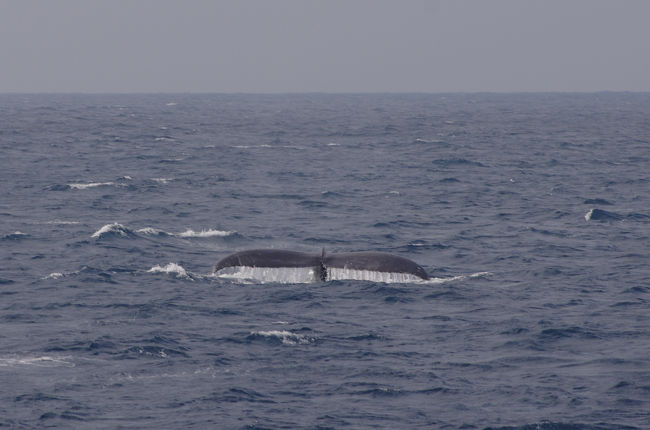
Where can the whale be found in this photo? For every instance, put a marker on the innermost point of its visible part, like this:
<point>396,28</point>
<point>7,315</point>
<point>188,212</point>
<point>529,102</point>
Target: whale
<point>363,265</point>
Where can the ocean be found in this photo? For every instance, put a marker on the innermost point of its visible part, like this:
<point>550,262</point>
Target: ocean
<point>530,213</point>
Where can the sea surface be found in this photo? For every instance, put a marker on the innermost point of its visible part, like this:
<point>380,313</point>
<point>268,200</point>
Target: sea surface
<point>530,212</point>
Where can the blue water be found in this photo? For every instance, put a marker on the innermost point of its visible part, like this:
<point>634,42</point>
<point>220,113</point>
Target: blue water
<point>530,212</point>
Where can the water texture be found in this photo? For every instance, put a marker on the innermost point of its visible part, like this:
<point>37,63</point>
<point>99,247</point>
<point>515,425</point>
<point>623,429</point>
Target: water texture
<point>529,211</point>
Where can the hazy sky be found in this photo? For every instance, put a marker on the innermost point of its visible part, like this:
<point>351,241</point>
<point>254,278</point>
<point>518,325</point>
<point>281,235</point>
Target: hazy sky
<point>324,45</point>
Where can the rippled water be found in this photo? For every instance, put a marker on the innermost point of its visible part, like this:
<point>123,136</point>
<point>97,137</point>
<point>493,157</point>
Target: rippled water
<point>530,213</point>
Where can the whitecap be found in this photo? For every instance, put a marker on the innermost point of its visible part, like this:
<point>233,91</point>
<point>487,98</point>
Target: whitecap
<point>61,222</point>
<point>79,186</point>
<point>54,275</point>
<point>111,229</point>
<point>151,231</point>
<point>171,268</point>
<point>161,180</point>
<point>205,233</point>
<point>286,337</point>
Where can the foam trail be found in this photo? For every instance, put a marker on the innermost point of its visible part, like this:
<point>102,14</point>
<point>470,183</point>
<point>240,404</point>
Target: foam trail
<point>455,278</point>
<point>205,233</point>
<point>79,186</point>
<point>44,361</point>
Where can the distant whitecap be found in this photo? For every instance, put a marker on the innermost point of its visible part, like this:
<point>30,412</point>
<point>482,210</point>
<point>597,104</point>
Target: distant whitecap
<point>79,186</point>
<point>161,180</point>
<point>42,361</point>
<point>205,233</point>
<point>285,337</point>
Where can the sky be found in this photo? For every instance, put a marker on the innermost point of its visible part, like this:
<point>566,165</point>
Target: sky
<point>279,46</point>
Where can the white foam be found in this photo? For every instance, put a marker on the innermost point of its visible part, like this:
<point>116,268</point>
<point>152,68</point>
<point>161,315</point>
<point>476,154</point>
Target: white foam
<point>54,275</point>
<point>287,337</point>
<point>455,278</point>
<point>205,233</point>
<point>161,180</point>
<point>90,185</point>
<point>111,228</point>
<point>170,104</point>
<point>150,230</point>
<point>44,361</point>
<point>60,222</point>
<point>588,215</point>
<point>164,139</point>
<point>171,268</point>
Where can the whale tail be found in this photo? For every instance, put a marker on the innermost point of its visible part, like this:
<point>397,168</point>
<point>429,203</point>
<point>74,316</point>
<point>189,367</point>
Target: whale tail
<point>346,265</point>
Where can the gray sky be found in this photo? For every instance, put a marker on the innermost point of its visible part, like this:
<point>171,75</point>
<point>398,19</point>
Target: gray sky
<point>324,45</point>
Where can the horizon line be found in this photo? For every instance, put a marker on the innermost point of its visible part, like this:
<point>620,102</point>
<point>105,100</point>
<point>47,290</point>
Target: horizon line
<point>271,93</point>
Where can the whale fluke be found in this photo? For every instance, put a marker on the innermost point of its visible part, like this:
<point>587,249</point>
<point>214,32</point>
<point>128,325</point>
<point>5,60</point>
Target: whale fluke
<point>324,267</point>
<point>374,262</point>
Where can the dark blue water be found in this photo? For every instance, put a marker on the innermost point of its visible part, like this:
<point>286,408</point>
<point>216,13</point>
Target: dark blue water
<point>530,212</point>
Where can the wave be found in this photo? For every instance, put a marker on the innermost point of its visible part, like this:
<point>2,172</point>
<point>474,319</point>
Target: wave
<point>119,230</point>
<point>16,235</point>
<point>281,336</point>
<point>150,231</point>
<point>603,215</point>
<point>111,230</point>
<point>171,268</point>
<point>452,162</point>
